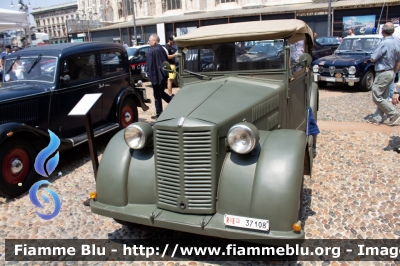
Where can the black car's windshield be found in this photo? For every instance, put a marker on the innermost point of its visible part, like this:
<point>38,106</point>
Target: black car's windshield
<point>362,44</point>
<point>328,40</point>
<point>25,69</point>
<point>235,56</point>
<point>132,52</point>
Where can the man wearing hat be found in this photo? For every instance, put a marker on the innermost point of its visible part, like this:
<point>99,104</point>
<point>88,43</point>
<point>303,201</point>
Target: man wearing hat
<point>172,53</point>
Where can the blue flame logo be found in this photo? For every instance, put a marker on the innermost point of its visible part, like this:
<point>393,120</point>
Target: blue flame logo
<point>45,153</point>
<point>45,170</point>
<point>35,201</point>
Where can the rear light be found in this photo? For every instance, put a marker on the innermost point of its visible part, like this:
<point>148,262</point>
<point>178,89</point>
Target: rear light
<point>297,226</point>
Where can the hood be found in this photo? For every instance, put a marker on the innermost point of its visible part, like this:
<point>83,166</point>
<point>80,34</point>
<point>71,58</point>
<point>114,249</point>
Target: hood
<point>18,90</point>
<point>342,59</point>
<point>224,101</point>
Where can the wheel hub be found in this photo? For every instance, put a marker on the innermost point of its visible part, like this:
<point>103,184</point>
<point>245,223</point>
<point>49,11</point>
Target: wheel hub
<point>127,117</point>
<point>16,166</point>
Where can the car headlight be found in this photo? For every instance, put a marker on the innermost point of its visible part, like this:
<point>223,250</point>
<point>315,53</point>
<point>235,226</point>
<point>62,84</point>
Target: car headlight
<point>138,135</point>
<point>243,137</point>
<point>315,68</point>
<point>352,70</point>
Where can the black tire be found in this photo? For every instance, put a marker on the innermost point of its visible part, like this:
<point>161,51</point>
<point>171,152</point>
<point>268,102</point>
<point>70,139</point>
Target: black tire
<point>22,154</point>
<point>128,113</point>
<point>367,80</point>
<point>322,84</point>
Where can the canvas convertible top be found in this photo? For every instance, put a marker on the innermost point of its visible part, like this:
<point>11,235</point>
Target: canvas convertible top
<point>244,31</point>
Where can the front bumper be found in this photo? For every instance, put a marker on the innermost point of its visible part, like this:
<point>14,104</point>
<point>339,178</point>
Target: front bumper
<point>209,225</point>
<point>318,77</point>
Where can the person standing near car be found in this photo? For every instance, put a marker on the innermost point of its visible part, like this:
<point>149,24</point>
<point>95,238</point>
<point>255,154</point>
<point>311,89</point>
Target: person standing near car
<point>155,73</point>
<point>351,32</point>
<point>386,57</point>
<point>172,54</point>
<point>4,54</point>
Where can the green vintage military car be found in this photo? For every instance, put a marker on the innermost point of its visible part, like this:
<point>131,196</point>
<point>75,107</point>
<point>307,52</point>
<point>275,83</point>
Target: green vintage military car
<point>228,155</point>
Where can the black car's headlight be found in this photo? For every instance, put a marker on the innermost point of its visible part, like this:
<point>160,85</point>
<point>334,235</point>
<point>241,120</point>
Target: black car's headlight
<point>243,137</point>
<point>138,135</point>
<point>352,70</point>
<point>315,68</point>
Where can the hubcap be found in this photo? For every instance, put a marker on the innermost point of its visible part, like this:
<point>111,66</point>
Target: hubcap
<point>16,166</point>
<point>127,117</point>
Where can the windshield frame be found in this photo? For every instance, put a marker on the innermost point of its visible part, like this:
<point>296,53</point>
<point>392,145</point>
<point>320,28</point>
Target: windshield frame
<point>237,62</point>
<point>32,59</point>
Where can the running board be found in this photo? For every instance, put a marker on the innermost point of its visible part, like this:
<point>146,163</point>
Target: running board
<point>97,132</point>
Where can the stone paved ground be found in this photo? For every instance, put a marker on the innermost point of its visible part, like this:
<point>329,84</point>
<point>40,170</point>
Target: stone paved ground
<point>353,192</point>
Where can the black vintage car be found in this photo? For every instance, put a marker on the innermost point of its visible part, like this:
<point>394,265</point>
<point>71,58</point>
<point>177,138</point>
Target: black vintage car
<point>41,85</point>
<point>349,64</point>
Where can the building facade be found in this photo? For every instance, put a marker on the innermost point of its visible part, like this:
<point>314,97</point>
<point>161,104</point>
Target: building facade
<point>53,21</point>
<point>118,20</point>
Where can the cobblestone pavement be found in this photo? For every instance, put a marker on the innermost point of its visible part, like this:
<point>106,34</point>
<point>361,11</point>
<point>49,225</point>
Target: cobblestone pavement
<point>353,192</point>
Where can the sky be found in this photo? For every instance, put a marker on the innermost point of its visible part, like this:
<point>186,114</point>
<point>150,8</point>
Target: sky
<point>6,4</point>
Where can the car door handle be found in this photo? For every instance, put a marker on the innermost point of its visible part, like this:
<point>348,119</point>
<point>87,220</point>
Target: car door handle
<point>101,86</point>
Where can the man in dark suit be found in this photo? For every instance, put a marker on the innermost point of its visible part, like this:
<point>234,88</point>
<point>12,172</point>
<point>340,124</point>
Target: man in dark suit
<point>158,77</point>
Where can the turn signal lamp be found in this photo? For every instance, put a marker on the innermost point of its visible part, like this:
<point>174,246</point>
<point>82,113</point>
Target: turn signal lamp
<point>9,134</point>
<point>297,226</point>
<point>93,195</point>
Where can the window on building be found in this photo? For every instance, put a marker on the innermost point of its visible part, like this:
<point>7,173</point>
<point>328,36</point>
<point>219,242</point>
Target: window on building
<point>129,5</point>
<point>224,1</point>
<point>173,4</point>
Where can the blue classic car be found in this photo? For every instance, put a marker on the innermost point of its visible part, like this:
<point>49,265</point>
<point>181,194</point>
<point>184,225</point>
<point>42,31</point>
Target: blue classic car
<point>349,64</point>
<point>41,85</point>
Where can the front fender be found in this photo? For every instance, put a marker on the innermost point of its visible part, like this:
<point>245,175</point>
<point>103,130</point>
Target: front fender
<point>125,175</point>
<point>265,184</point>
<point>136,96</point>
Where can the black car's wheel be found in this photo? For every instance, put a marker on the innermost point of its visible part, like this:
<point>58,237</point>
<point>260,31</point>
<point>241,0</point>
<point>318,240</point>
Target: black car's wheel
<point>17,167</point>
<point>128,113</point>
<point>367,81</point>
<point>322,84</point>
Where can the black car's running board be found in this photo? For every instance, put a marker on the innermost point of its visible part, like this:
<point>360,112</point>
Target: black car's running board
<point>97,132</point>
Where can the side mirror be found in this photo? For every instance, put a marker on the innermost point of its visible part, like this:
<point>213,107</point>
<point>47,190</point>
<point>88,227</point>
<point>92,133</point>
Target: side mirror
<point>305,60</point>
<point>166,66</point>
<point>66,78</point>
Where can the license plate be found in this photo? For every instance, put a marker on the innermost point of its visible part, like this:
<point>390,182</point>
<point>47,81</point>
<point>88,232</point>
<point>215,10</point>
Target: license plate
<point>245,222</point>
<point>331,79</point>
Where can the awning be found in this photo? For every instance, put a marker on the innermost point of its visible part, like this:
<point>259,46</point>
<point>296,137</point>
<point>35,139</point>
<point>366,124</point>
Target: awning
<point>12,20</point>
<point>243,12</point>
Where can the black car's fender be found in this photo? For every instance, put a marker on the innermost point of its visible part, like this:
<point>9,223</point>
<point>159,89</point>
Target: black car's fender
<point>37,137</point>
<point>130,92</point>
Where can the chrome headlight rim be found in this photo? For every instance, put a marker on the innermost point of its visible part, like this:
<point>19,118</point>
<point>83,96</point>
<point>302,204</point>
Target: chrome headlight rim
<point>250,129</point>
<point>138,135</point>
<point>315,68</point>
<point>352,70</point>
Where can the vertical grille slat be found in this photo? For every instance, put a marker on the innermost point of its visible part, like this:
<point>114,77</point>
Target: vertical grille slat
<point>184,168</point>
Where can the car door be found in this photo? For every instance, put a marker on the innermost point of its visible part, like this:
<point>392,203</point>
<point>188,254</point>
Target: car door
<point>84,79</point>
<point>296,111</point>
<point>114,77</point>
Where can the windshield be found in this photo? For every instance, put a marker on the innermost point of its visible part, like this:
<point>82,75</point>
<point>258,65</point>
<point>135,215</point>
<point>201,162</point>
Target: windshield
<point>132,52</point>
<point>235,56</point>
<point>328,40</point>
<point>359,45</point>
<point>25,69</point>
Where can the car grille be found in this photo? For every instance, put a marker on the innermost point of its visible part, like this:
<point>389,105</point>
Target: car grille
<point>327,70</point>
<point>22,112</point>
<point>184,169</point>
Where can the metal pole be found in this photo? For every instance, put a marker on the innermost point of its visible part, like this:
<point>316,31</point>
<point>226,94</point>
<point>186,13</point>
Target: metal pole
<point>134,21</point>
<point>329,18</point>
